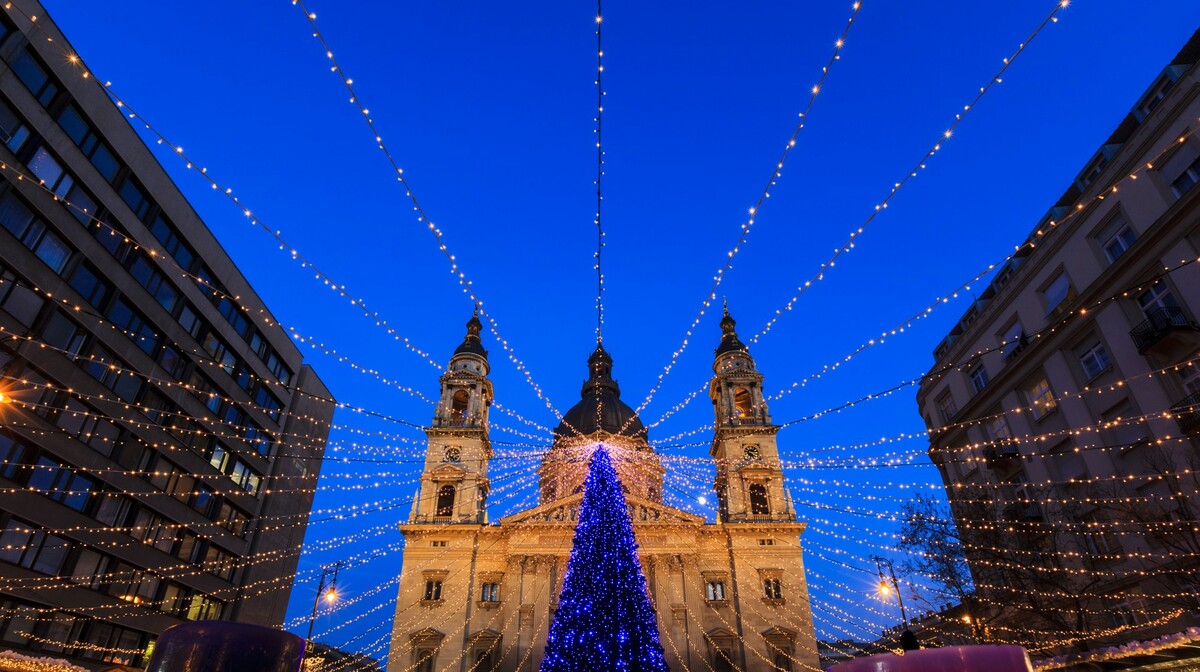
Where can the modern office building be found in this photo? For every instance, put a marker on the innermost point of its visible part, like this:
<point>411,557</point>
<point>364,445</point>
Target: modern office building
<point>729,595</point>
<point>1063,407</point>
<point>152,401</point>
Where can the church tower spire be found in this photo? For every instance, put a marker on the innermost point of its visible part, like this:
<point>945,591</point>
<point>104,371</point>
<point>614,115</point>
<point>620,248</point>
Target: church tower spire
<point>749,481</point>
<point>454,484</point>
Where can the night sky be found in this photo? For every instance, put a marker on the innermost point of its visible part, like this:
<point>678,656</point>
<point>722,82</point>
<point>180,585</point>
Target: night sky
<point>489,109</point>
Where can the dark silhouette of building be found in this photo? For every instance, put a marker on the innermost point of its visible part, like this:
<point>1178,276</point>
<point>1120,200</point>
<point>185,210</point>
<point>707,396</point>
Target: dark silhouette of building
<point>153,400</point>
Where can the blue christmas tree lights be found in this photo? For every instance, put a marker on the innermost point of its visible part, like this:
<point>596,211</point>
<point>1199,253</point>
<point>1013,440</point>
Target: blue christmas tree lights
<point>604,620</point>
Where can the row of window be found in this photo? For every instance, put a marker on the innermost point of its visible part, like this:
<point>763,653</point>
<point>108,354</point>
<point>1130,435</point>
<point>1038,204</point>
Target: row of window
<point>60,331</point>
<point>26,545</point>
<point>50,247</point>
<point>26,464</point>
<point>92,428</point>
<point>1091,355</point>
<point>32,627</point>
<point>76,126</point>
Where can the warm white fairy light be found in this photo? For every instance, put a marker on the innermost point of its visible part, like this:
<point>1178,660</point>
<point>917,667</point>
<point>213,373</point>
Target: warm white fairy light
<point>749,223</point>
<point>920,165</point>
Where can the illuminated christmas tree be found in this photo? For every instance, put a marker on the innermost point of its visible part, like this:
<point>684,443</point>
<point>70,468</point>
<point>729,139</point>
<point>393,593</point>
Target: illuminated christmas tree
<point>604,620</point>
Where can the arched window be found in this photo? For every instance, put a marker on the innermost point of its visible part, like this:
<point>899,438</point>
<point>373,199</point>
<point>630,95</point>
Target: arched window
<point>445,500</point>
<point>483,661</point>
<point>759,506</point>
<point>458,404</point>
<point>743,404</point>
<point>722,661</point>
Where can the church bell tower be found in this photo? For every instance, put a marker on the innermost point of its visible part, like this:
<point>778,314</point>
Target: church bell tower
<point>749,481</point>
<point>454,484</point>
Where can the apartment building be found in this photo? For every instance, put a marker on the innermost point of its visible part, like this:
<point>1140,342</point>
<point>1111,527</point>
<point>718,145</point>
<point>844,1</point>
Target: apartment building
<point>152,400</point>
<point>1063,406</point>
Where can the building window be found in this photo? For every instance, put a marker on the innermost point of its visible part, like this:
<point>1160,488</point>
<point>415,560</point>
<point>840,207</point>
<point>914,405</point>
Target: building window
<point>445,500</point>
<point>1094,360</point>
<point>1122,427</point>
<point>33,233</point>
<point>490,592</point>
<point>34,76</point>
<point>433,590</point>
<point>1155,96</point>
<point>60,332</point>
<point>1186,180</point>
<point>1041,399</point>
<point>1057,293</point>
<point>946,407</point>
<point>438,543</point>
<point>81,132</point>
<point>759,506</point>
<point>87,282</point>
<point>979,378</point>
<point>1116,239</point>
<point>743,406</point>
<point>425,660</point>
<point>998,429</point>
<point>773,589</point>
<point>13,131</point>
<point>1158,297</point>
<point>51,173</point>
<point>1066,463</point>
<point>135,197</point>
<point>1013,341</point>
<point>1099,537</point>
<point>458,405</point>
<point>714,591</point>
<point>1189,377</point>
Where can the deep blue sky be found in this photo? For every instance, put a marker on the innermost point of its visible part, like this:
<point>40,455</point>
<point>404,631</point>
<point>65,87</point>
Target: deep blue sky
<point>489,108</point>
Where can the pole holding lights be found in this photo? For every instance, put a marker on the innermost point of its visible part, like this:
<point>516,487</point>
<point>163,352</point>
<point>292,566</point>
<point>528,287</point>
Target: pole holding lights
<point>329,594</point>
<point>885,589</point>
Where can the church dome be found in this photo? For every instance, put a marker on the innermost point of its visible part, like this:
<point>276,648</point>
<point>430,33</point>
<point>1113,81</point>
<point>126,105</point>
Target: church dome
<point>601,408</point>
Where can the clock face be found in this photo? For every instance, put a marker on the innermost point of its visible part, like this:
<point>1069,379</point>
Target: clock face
<point>751,452</point>
<point>453,454</point>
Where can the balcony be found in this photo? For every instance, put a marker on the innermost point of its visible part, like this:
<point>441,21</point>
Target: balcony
<point>1187,414</point>
<point>1160,324</point>
<point>1005,451</point>
<point>1028,512</point>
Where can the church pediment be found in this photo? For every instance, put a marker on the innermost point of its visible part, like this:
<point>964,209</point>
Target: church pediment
<point>566,510</point>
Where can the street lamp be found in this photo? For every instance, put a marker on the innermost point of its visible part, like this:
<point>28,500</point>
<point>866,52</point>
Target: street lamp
<point>329,593</point>
<point>885,589</point>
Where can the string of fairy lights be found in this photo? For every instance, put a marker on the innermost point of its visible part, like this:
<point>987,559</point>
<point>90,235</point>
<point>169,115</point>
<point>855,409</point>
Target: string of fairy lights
<point>688,480</point>
<point>744,231</point>
<point>599,173</point>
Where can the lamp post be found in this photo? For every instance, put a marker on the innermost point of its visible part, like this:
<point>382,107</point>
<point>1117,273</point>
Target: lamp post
<point>884,588</point>
<point>329,594</point>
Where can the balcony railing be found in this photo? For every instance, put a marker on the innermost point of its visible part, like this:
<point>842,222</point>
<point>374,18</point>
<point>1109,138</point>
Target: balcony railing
<point>1159,323</point>
<point>1002,452</point>
<point>1023,511</point>
<point>1187,413</point>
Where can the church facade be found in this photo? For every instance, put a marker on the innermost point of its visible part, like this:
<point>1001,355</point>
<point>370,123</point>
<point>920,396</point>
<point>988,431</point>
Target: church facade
<point>479,596</point>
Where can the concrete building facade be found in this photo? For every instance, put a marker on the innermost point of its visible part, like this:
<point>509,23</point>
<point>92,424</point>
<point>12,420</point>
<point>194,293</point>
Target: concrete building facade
<point>1062,408</point>
<point>475,595</point>
<point>153,401</point>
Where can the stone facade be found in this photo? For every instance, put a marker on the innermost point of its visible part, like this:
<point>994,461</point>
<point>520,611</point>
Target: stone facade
<point>480,596</point>
<point>1063,405</point>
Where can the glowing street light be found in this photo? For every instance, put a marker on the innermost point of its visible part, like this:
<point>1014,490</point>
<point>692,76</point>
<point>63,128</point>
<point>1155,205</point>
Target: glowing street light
<point>329,593</point>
